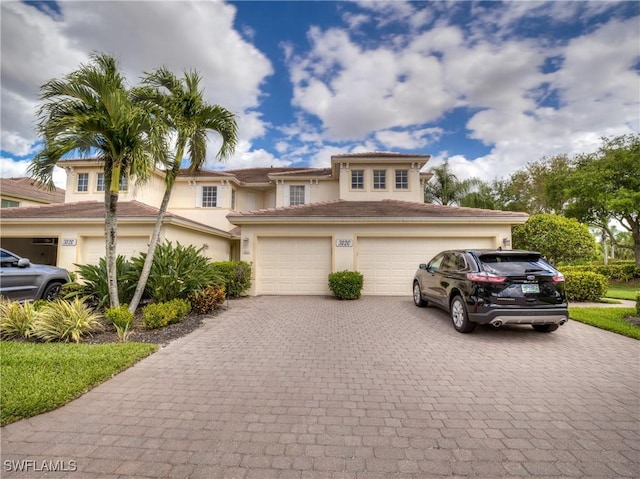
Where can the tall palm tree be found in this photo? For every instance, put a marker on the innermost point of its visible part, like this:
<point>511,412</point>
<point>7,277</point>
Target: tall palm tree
<point>189,117</point>
<point>444,188</point>
<point>91,112</point>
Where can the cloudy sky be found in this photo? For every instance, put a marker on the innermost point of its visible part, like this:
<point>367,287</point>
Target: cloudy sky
<point>488,86</point>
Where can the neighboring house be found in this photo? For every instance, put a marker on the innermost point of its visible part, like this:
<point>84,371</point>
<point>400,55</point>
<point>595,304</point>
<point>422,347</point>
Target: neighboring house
<point>294,225</point>
<point>22,191</point>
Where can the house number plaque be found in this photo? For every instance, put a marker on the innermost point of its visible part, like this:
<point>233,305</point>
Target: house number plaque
<point>69,241</point>
<point>344,243</point>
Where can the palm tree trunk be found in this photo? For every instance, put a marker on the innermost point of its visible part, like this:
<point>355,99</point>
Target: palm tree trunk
<point>155,237</point>
<point>111,236</point>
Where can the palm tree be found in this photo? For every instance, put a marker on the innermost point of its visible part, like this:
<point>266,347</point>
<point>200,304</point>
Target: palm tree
<point>91,112</point>
<point>189,117</point>
<point>444,187</point>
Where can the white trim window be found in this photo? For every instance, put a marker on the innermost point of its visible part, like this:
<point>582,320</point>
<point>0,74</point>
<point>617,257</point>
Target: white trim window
<point>100,182</point>
<point>297,195</point>
<point>357,179</point>
<point>209,196</point>
<point>82,182</point>
<point>379,179</point>
<point>124,183</point>
<point>402,179</point>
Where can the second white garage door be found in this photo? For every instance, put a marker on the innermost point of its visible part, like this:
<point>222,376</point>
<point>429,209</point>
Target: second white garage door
<point>93,247</point>
<point>293,265</point>
<point>388,264</point>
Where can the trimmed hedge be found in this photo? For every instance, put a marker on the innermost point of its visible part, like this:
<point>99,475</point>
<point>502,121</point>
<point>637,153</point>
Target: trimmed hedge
<point>585,286</point>
<point>638,304</point>
<point>236,276</point>
<point>618,271</point>
<point>158,315</point>
<point>346,284</point>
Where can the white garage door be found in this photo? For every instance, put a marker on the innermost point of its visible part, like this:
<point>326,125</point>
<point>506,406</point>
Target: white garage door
<point>293,265</point>
<point>93,247</point>
<point>388,264</point>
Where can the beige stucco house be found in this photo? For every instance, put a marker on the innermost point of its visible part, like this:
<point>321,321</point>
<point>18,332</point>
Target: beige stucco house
<point>294,225</point>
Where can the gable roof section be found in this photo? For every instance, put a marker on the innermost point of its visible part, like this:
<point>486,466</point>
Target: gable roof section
<point>380,211</point>
<point>94,210</point>
<point>256,175</point>
<point>29,189</point>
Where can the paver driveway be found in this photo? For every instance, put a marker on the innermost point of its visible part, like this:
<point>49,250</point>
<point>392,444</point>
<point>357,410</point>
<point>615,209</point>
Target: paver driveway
<point>311,387</point>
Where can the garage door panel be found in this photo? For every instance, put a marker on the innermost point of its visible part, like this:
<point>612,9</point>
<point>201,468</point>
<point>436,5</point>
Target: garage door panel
<point>93,248</point>
<point>388,264</point>
<point>293,265</point>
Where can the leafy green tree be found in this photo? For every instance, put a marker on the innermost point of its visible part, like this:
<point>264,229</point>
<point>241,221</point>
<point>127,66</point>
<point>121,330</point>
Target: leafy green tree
<point>483,196</point>
<point>605,186</point>
<point>181,105</point>
<point>557,238</point>
<point>91,112</point>
<point>444,187</point>
<point>537,188</point>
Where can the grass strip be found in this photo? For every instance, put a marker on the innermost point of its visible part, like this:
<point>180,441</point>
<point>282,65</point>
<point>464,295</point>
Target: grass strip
<point>39,377</point>
<point>623,291</point>
<point>611,319</point>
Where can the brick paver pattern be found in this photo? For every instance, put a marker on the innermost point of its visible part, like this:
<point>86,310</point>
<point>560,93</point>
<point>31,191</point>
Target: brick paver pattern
<point>312,387</point>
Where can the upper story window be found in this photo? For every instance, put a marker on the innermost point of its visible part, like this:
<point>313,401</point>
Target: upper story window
<point>9,203</point>
<point>402,179</point>
<point>296,195</point>
<point>379,179</point>
<point>100,182</point>
<point>100,186</point>
<point>209,196</point>
<point>82,183</point>
<point>357,179</point>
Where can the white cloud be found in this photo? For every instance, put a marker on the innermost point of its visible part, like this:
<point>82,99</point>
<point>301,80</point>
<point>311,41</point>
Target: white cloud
<point>408,140</point>
<point>181,35</point>
<point>10,168</point>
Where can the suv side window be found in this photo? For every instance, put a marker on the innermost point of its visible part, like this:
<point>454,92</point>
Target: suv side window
<point>449,262</point>
<point>435,263</point>
<point>461,263</point>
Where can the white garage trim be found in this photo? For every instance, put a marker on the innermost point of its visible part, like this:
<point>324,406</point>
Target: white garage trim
<point>389,263</point>
<point>293,264</point>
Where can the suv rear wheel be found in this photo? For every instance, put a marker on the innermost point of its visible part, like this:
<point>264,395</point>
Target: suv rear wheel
<point>417,296</point>
<point>460,317</point>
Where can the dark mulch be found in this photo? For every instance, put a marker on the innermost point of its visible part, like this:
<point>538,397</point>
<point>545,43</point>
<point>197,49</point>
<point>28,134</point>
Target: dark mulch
<point>161,336</point>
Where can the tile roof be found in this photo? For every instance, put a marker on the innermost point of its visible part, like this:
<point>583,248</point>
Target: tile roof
<point>375,209</point>
<point>84,210</point>
<point>257,175</point>
<point>30,189</point>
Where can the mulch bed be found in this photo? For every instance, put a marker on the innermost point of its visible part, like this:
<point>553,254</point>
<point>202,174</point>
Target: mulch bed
<point>140,334</point>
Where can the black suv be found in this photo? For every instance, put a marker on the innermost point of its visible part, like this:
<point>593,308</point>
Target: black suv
<point>493,287</point>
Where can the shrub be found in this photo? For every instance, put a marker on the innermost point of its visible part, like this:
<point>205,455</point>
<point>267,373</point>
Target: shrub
<point>236,276</point>
<point>585,286</point>
<point>65,321</point>
<point>16,320</point>
<point>206,300</point>
<point>346,284</point>
<point>96,287</point>
<point>557,238</point>
<point>175,271</point>
<point>121,319</point>
<point>638,304</point>
<point>622,271</point>
<point>159,315</point>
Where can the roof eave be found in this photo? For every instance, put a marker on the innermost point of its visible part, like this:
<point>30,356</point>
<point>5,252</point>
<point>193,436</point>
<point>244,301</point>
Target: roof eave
<point>240,220</point>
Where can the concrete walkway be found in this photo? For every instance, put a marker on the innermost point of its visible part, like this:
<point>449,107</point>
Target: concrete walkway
<point>311,387</point>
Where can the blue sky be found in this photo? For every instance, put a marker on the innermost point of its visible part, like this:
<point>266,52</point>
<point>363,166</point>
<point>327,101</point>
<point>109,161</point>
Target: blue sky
<point>487,86</point>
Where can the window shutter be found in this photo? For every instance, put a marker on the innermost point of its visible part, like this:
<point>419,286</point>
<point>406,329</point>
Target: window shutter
<point>307,194</point>
<point>198,196</point>
<point>287,195</point>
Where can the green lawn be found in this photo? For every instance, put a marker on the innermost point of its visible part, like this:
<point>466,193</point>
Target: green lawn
<point>39,377</point>
<point>623,290</point>
<point>611,319</point>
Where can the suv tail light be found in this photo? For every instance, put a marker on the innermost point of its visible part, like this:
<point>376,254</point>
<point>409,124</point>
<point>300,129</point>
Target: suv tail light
<point>485,277</point>
<point>559,278</point>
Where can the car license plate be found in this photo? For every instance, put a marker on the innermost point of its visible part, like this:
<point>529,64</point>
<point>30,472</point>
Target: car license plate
<point>530,288</point>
